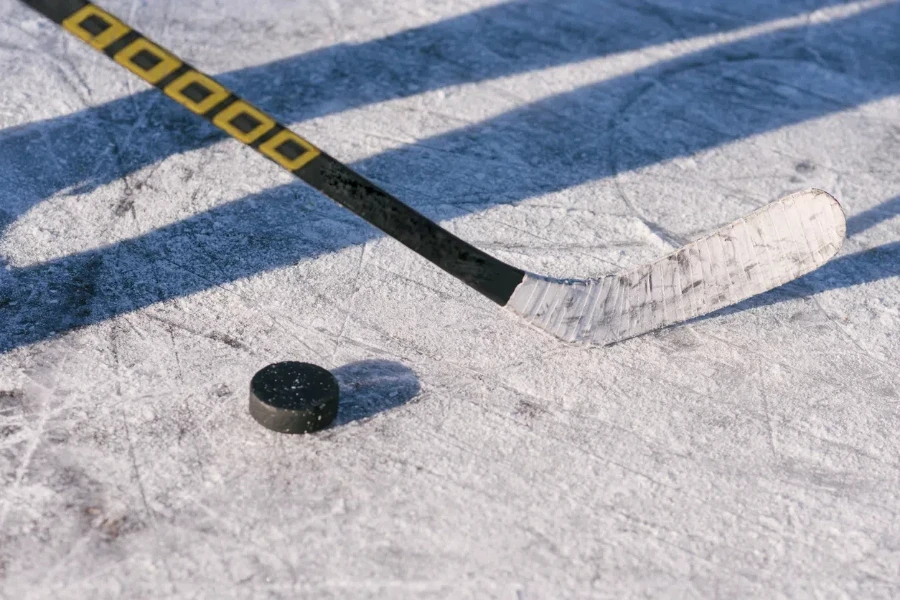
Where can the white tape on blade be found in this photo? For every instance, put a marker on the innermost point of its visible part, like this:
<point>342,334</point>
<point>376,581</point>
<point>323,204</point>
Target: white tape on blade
<point>779,242</point>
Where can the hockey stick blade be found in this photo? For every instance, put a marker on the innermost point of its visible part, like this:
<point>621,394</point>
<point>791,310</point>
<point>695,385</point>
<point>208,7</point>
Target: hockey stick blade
<point>779,242</point>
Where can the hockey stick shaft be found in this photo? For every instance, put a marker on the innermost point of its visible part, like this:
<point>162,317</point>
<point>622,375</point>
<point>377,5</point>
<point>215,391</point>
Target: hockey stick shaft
<point>206,97</point>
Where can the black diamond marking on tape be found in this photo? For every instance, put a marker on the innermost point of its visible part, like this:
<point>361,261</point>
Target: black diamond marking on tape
<point>95,25</point>
<point>146,60</point>
<point>290,149</point>
<point>245,123</point>
<point>196,92</point>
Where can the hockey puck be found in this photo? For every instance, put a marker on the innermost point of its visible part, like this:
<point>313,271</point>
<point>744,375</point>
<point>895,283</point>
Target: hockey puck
<point>294,397</point>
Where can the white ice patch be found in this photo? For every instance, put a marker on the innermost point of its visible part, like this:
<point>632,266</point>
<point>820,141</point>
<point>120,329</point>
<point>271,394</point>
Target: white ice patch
<point>775,244</point>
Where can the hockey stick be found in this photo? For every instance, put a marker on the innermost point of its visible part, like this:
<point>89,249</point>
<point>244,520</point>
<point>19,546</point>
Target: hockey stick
<point>777,243</point>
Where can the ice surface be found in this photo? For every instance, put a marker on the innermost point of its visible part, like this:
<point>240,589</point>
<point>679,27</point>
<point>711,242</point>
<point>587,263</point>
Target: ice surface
<point>150,267</point>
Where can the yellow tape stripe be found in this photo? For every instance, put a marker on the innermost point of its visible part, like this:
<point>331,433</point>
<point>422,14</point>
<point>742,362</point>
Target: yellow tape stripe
<point>198,81</point>
<point>195,91</point>
<point>282,140</point>
<point>227,121</point>
<point>140,48</point>
<point>79,24</point>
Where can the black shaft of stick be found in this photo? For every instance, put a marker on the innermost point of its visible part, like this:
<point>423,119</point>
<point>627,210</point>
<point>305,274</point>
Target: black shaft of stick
<point>486,274</point>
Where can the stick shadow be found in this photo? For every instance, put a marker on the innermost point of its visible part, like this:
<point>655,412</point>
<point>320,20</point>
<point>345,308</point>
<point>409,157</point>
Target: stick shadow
<point>859,268</point>
<point>872,217</point>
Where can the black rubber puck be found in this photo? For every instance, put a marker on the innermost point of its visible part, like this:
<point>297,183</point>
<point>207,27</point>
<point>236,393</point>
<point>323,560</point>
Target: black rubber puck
<point>294,397</point>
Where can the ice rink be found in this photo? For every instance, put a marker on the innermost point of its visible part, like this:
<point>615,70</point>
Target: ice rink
<point>149,266</point>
